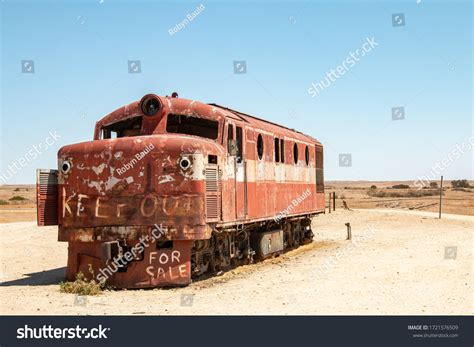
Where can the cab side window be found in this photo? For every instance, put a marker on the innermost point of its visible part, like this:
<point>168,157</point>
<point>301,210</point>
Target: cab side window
<point>239,139</point>
<point>282,150</point>
<point>230,137</point>
<point>277,150</point>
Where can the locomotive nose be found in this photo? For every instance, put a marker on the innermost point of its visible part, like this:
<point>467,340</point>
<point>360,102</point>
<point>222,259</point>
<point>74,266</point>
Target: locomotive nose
<point>135,181</point>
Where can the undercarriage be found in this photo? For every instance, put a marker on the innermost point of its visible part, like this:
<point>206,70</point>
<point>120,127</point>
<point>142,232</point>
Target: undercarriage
<point>230,247</point>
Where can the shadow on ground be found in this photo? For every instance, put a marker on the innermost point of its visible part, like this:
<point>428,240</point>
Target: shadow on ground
<point>48,277</point>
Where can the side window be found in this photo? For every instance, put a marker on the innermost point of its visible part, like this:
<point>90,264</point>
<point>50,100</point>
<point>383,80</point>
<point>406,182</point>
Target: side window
<point>239,139</point>
<point>277,150</point>
<point>306,155</point>
<point>260,146</point>
<point>319,170</point>
<point>295,153</point>
<point>230,135</point>
<point>282,150</point>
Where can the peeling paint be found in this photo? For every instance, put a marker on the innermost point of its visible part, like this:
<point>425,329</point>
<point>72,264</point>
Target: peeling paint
<point>165,179</point>
<point>94,184</point>
<point>112,181</point>
<point>98,170</point>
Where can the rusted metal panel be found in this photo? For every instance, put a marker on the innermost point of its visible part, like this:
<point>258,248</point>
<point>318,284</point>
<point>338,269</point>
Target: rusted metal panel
<point>47,197</point>
<point>134,181</point>
<point>158,267</point>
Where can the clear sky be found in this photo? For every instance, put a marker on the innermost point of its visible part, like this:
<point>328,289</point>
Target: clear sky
<point>65,64</point>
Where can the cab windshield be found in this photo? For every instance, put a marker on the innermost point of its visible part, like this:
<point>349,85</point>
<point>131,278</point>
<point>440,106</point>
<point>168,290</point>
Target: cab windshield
<point>124,128</point>
<point>192,125</point>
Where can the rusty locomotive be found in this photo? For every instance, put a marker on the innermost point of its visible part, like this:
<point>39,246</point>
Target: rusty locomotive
<point>172,189</point>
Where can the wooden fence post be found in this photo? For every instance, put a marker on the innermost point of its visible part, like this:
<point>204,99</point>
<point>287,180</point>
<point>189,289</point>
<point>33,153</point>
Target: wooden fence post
<point>329,203</point>
<point>440,196</point>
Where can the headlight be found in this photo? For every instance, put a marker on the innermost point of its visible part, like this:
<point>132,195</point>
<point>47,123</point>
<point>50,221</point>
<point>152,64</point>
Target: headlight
<point>66,167</point>
<point>184,163</point>
<point>150,105</point>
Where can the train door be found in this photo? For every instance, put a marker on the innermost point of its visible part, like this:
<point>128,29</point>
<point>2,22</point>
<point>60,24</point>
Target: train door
<point>319,196</point>
<point>235,186</point>
<point>240,174</point>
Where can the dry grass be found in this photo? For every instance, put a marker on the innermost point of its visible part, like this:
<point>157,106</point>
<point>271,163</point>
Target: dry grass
<point>410,193</point>
<point>17,198</point>
<point>82,285</point>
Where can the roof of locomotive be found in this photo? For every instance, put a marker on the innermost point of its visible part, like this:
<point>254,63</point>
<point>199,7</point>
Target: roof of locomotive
<point>186,105</point>
<point>262,123</point>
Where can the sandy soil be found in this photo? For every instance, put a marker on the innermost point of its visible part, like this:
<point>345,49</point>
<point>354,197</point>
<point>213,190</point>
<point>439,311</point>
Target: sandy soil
<point>17,210</point>
<point>395,264</point>
<point>355,194</point>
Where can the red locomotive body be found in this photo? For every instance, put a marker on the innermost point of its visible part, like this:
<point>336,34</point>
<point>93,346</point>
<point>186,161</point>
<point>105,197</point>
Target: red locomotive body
<point>171,189</point>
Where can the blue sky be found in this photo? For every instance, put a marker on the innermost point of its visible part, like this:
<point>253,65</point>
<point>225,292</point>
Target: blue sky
<point>80,51</point>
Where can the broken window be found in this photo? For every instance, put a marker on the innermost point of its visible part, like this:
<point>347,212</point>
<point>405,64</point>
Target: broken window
<point>230,137</point>
<point>295,153</point>
<point>192,125</point>
<point>277,150</point>
<point>282,150</point>
<point>306,155</point>
<point>260,146</point>
<point>124,128</point>
<point>239,136</point>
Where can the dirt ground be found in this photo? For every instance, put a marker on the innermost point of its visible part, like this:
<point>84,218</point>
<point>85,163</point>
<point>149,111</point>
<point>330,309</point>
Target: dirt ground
<point>12,210</point>
<point>397,263</point>
<point>457,201</point>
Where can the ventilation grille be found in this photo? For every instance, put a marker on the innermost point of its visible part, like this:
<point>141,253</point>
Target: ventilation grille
<point>212,207</point>
<point>212,180</point>
<point>47,197</point>
<point>213,201</point>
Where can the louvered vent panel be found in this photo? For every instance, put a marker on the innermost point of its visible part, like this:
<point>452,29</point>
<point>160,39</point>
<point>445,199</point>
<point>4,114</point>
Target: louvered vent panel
<point>213,201</point>
<point>47,197</point>
<point>212,180</point>
<point>212,207</point>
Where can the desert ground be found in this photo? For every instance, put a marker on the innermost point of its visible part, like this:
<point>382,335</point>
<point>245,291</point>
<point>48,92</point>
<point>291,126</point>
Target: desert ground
<point>17,203</point>
<point>356,195</point>
<point>396,263</point>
